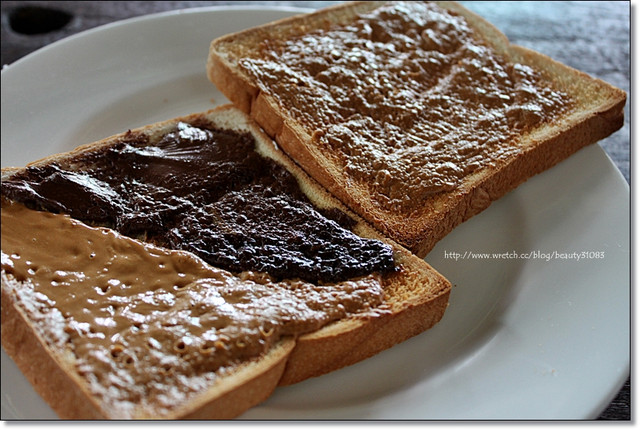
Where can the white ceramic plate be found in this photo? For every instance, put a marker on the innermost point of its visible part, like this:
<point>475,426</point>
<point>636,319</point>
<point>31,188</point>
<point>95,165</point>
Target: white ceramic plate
<point>542,337</point>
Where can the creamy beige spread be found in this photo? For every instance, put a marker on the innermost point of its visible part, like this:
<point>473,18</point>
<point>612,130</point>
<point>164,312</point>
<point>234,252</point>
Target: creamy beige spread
<point>407,97</point>
<point>148,327</point>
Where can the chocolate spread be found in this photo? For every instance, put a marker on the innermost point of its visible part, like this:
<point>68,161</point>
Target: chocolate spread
<point>406,97</point>
<point>147,327</point>
<point>204,190</point>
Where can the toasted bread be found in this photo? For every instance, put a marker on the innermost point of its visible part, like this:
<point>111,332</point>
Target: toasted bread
<point>46,337</point>
<point>325,87</point>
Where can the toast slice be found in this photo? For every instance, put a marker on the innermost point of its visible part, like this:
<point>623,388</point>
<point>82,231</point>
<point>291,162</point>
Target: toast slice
<point>415,115</point>
<point>107,321</point>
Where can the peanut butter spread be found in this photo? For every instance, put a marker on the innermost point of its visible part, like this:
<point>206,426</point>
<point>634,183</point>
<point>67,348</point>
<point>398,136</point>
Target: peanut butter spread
<point>407,96</point>
<point>148,327</point>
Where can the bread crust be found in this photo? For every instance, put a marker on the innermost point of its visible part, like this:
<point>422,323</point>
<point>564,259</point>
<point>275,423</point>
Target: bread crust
<point>243,390</point>
<point>600,113</point>
<point>415,299</point>
<point>51,378</point>
<point>330,349</point>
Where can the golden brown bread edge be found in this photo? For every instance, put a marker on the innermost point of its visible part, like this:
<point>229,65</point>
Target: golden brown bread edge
<point>416,294</point>
<point>600,114</point>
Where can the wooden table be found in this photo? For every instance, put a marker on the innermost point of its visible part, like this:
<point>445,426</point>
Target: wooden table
<point>591,36</point>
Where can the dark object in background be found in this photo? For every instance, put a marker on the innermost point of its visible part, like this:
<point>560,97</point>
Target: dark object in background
<point>37,20</point>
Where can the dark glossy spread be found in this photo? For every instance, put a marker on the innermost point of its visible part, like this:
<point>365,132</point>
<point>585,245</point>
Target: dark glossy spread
<point>407,97</point>
<point>207,191</point>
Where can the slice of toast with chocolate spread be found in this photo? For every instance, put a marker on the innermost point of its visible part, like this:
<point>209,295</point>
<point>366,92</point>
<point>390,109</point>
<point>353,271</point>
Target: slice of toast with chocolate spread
<point>416,115</point>
<point>186,268</point>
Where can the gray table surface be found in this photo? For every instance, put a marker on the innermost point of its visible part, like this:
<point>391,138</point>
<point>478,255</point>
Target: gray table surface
<point>591,36</point>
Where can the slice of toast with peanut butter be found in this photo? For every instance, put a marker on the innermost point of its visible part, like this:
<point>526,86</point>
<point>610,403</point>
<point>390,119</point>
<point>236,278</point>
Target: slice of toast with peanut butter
<point>416,115</point>
<point>186,268</point>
